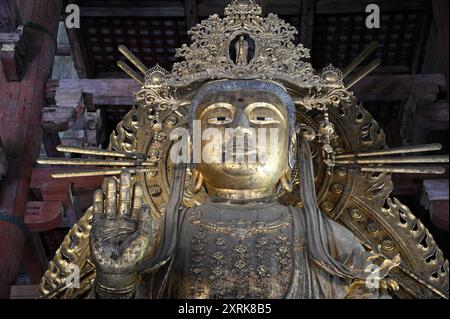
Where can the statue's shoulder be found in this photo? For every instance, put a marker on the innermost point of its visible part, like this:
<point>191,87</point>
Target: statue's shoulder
<point>335,232</point>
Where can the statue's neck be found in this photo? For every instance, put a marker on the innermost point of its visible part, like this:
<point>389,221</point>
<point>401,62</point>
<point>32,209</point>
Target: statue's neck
<point>242,202</point>
<point>241,197</point>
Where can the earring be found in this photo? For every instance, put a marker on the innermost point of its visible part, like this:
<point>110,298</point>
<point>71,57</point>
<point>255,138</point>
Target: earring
<point>286,181</point>
<point>197,182</point>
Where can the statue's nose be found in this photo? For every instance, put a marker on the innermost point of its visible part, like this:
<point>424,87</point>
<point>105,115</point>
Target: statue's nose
<point>241,121</point>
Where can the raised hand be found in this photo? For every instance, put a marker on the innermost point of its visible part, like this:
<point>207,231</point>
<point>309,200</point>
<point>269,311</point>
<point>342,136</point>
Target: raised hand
<point>122,234</point>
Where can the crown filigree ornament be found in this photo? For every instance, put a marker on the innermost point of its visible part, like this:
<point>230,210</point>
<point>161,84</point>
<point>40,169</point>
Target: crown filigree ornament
<point>155,76</point>
<point>243,45</point>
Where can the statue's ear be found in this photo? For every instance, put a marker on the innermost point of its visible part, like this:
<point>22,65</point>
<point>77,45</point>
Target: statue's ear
<point>286,181</point>
<point>286,178</point>
<point>308,133</point>
<point>197,183</point>
<point>293,150</point>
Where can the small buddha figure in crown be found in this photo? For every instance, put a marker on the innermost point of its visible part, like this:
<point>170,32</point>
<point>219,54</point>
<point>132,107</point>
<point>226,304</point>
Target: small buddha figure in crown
<point>241,51</point>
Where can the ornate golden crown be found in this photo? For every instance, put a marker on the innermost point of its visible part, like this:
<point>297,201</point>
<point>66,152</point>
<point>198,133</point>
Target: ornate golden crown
<point>268,40</point>
<point>242,46</point>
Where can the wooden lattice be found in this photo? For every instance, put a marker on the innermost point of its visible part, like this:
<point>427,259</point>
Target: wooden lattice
<point>339,38</point>
<point>153,40</point>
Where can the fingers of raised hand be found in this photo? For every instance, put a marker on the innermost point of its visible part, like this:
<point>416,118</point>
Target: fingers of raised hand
<point>98,202</point>
<point>145,221</point>
<point>138,199</point>
<point>125,194</point>
<point>111,197</point>
<point>121,199</point>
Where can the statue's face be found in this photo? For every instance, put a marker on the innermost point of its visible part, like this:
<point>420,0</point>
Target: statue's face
<point>251,154</point>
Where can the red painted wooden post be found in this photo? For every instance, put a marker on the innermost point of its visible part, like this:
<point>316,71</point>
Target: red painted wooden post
<point>20,109</point>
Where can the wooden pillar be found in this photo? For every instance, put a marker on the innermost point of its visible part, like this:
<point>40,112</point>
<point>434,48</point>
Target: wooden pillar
<point>440,16</point>
<point>20,109</point>
<point>308,12</point>
<point>191,9</point>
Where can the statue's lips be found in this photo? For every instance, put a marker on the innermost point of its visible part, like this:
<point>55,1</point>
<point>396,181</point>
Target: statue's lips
<point>242,169</point>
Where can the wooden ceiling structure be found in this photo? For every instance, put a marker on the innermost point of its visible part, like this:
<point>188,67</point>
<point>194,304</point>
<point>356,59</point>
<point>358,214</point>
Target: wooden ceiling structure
<point>334,30</point>
<point>87,95</point>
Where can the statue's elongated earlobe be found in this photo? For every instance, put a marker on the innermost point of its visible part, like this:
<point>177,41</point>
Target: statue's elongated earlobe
<point>286,181</point>
<point>197,183</point>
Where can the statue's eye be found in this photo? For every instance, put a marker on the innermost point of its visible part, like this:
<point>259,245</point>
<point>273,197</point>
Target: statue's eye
<point>263,120</point>
<point>219,120</point>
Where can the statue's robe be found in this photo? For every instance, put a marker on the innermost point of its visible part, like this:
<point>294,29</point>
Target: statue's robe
<point>253,251</point>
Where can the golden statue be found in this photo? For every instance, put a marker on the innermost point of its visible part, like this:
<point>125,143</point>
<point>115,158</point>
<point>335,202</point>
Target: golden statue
<point>245,212</point>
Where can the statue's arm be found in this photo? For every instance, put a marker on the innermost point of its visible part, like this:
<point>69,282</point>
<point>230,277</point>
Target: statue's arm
<point>348,250</point>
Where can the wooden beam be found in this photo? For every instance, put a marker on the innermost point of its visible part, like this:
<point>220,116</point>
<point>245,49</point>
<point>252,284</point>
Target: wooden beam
<point>411,184</point>
<point>372,88</point>
<point>81,54</point>
<point>103,91</point>
<point>308,11</point>
<point>43,216</point>
<point>56,196</point>
<point>21,104</point>
<point>63,50</point>
<point>167,11</point>
<point>359,6</point>
<point>206,8</point>
<point>280,7</point>
<point>427,87</point>
<point>80,186</point>
<point>441,29</point>
<point>191,12</point>
<point>434,198</point>
<point>67,108</point>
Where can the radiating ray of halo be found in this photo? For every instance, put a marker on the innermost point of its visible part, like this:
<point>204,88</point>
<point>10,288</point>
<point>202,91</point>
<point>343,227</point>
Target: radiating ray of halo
<point>360,74</point>
<point>133,59</point>
<point>394,150</point>
<point>107,172</point>
<point>394,160</point>
<point>128,70</point>
<point>360,58</point>
<point>90,162</point>
<point>98,152</point>
<point>402,169</point>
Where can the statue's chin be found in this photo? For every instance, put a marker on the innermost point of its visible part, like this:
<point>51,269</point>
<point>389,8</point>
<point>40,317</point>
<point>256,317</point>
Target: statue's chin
<point>246,169</point>
<point>240,171</point>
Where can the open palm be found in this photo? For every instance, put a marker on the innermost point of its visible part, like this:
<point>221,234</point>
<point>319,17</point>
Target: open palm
<point>122,231</point>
